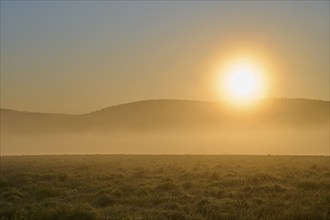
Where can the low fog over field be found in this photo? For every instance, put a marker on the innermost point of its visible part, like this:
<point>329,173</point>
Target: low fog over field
<point>270,126</point>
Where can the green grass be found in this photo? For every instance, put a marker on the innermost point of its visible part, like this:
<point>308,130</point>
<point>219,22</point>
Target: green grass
<point>164,187</point>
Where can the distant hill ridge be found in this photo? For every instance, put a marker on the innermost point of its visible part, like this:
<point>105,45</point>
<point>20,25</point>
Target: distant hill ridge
<point>166,115</point>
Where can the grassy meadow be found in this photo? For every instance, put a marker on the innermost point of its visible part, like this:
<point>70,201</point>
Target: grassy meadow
<point>161,187</point>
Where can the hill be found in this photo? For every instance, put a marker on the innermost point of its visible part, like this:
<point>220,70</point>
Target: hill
<point>270,126</point>
<point>172,115</point>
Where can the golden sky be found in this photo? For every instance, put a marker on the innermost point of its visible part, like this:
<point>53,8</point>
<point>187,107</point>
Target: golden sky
<point>76,57</point>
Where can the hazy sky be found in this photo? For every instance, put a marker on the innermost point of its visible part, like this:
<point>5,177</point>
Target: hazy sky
<point>76,57</point>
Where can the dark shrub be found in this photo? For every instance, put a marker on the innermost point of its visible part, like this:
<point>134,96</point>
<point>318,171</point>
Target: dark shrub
<point>187,185</point>
<point>3,183</point>
<point>104,200</point>
<point>166,186</point>
<point>309,185</point>
<point>169,215</point>
<point>214,176</point>
<point>42,192</point>
<point>11,192</point>
<point>82,212</point>
<point>202,206</point>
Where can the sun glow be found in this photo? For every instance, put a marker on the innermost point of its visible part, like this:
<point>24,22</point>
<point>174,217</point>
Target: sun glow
<point>242,82</point>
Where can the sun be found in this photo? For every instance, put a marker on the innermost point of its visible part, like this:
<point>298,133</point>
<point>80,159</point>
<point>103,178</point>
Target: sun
<point>242,82</point>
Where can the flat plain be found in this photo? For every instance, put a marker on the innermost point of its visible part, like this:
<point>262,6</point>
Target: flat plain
<point>164,187</point>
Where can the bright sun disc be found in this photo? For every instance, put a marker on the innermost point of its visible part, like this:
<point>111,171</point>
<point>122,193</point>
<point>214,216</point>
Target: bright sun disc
<point>241,82</point>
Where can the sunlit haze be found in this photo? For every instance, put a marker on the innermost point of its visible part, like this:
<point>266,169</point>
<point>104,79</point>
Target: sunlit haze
<point>81,56</point>
<point>241,82</point>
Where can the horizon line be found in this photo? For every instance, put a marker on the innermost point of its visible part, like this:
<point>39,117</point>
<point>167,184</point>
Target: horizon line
<point>160,99</point>
<point>163,154</point>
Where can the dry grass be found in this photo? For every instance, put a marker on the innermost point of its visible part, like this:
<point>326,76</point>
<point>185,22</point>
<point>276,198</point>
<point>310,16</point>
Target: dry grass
<point>164,187</point>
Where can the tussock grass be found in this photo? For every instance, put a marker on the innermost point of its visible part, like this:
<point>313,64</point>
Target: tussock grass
<point>164,187</point>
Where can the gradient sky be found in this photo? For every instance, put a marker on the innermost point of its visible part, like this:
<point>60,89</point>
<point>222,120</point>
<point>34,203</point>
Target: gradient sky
<point>76,57</point>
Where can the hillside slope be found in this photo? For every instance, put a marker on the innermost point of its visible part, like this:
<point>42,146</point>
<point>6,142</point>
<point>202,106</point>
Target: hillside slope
<point>173,115</point>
